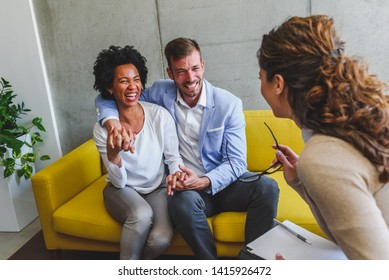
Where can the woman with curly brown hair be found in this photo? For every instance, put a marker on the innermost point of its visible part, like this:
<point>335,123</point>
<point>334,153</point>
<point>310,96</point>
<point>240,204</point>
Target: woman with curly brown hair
<point>343,170</point>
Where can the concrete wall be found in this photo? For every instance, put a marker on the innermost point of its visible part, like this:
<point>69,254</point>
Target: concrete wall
<point>72,32</point>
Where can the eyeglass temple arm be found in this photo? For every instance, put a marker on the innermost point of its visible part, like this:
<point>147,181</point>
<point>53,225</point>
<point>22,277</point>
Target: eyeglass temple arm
<point>272,134</point>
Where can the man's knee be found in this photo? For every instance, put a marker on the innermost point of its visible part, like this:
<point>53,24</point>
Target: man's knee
<point>267,188</point>
<point>185,201</point>
<point>271,184</point>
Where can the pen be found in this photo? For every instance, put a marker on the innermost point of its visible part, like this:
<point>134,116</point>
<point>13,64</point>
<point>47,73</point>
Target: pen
<point>302,238</point>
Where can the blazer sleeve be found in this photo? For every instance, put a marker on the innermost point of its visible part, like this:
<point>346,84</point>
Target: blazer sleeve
<point>230,164</point>
<point>105,108</point>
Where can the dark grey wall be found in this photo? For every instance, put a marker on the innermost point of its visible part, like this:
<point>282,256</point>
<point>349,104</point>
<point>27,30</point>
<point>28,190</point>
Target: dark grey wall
<point>72,32</point>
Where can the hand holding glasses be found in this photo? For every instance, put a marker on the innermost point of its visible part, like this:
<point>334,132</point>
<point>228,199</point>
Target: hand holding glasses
<point>249,177</point>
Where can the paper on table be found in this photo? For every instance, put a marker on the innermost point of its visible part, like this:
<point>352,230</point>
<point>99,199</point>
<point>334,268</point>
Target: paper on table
<point>279,240</point>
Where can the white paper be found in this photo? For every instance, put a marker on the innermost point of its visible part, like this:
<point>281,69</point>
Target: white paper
<point>279,240</point>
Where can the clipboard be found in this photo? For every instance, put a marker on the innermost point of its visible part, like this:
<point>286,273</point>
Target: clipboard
<point>279,240</point>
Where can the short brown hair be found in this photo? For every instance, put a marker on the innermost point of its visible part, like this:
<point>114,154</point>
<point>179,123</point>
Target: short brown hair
<point>179,48</point>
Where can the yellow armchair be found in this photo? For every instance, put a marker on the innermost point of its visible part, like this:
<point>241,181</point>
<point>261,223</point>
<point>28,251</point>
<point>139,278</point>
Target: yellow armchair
<point>68,195</point>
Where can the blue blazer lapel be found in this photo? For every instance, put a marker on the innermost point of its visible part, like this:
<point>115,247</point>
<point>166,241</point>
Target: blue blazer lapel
<point>168,101</point>
<point>209,110</point>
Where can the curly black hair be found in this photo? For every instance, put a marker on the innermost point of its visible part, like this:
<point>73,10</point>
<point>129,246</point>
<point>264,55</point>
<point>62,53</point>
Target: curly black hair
<point>107,61</point>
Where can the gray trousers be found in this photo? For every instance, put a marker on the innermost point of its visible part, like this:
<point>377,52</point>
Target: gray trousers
<point>146,230</point>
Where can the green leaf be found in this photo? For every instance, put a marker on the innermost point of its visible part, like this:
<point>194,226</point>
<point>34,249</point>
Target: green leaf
<point>28,144</point>
<point>3,150</point>
<point>33,140</point>
<point>8,171</point>
<point>45,157</point>
<point>37,137</point>
<point>12,143</point>
<point>8,162</point>
<point>38,123</point>
<point>27,171</point>
<point>29,157</point>
<point>10,130</point>
<point>20,173</point>
<point>16,153</point>
<point>23,130</point>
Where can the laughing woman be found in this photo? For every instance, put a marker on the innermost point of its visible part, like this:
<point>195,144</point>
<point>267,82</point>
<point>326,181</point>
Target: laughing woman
<point>136,193</point>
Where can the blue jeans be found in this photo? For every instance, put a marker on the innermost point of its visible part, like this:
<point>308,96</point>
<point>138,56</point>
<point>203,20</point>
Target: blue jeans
<point>189,211</point>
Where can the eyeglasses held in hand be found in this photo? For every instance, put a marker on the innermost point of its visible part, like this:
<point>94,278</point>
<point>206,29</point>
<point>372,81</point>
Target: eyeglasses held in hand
<point>249,177</point>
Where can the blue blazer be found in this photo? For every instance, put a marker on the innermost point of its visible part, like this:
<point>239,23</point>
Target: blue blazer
<point>223,121</point>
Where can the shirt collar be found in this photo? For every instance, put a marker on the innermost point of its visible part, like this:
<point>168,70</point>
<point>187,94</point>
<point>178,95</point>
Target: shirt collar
<point>202,100</point>
<point>307,133</point>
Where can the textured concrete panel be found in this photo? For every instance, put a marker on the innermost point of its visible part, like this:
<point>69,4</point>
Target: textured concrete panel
<point>73,32</point>
<point>363,25</point>
<point>229,31</point>
<point>229,34</point>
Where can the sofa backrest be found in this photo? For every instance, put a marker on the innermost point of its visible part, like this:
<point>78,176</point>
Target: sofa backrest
<point>259,140</point>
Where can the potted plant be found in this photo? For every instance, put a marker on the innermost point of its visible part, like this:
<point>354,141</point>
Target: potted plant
<point>18,152</point>
<point>11,136</point>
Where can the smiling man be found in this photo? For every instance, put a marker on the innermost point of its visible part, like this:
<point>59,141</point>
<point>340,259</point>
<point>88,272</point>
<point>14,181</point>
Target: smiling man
<point>207,119</point>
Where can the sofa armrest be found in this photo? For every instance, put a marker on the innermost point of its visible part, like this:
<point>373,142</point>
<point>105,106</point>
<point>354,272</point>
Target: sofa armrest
<point>56,184</point>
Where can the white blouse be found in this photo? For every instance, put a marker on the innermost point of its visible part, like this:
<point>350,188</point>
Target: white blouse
<point>155,144</point>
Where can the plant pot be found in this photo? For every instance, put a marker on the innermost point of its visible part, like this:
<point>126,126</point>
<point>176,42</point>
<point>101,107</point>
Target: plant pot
<point>17,202</point>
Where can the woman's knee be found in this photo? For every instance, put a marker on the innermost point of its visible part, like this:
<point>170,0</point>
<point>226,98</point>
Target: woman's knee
<point>159,240</point>
<point>140,219</point>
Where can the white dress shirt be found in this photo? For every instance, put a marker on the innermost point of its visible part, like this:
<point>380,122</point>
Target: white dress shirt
<point>188,128</point>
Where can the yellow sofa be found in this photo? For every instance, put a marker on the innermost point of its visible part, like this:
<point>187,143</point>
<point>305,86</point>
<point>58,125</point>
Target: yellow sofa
<point>68,195</point>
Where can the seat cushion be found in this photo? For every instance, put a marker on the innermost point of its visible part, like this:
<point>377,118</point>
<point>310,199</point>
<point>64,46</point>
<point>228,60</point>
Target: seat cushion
<point>85,215</point>
<point>77,218</point>
<point>293,208</point>
<point>229,226</point>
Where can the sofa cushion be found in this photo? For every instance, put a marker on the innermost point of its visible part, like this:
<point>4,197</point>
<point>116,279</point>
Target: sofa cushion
<point>229,226</point>
<point>73,206</point>
<point>76,218</point>
<point>85,215</point>
<point>292,207</point>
